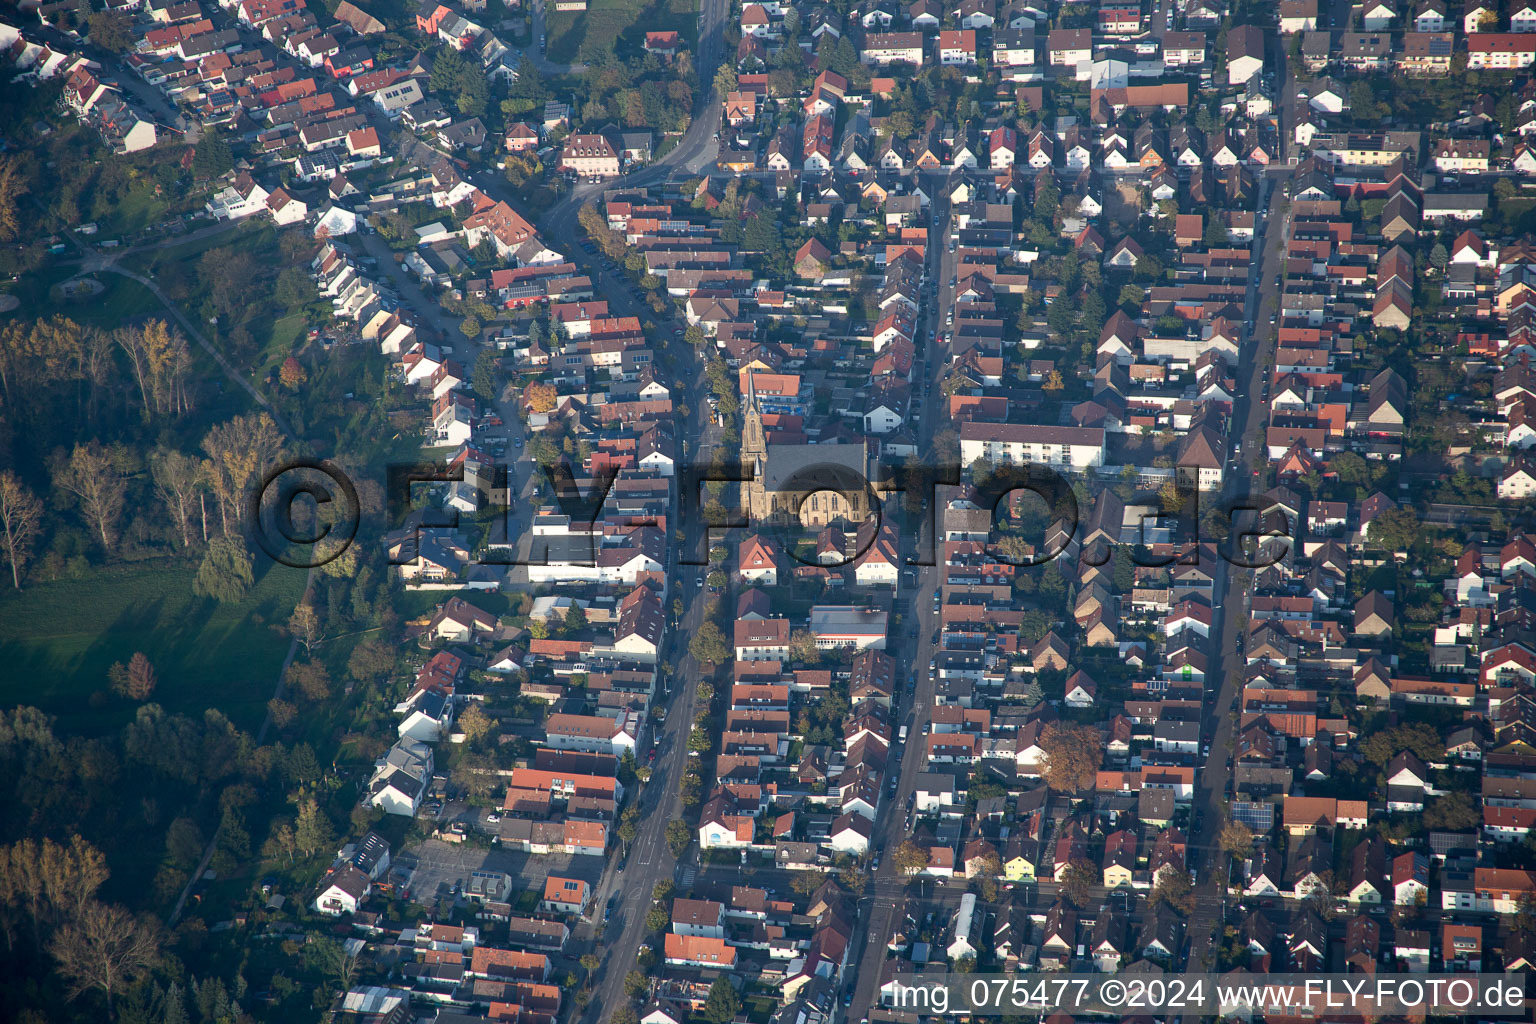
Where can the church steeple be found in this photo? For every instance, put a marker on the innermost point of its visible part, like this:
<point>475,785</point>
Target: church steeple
<point>754,443</point>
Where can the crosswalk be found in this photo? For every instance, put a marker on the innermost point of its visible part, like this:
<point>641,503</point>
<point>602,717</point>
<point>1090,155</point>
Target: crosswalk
<point>689,874</point>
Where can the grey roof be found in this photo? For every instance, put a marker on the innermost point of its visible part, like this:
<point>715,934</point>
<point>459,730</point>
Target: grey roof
<point>810,467</point>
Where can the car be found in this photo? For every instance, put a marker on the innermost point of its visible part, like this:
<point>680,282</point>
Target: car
<point>518,443</point>
<point>652,758</point>
<point>698,584</point>
<point>607,913</point>
<point>492,819</point>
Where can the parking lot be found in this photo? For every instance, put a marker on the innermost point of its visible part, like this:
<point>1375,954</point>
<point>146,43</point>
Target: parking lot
<point>435,867</point>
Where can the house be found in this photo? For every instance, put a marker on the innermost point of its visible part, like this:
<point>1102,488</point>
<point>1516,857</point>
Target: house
<point>589,156</point>
<point>1245,53</point>
<point>755,562</point>
<point>697,951</point>
<point>1410,879</point>
<point>957,47</point>
<point>565,895</point>
<point>342,890</point>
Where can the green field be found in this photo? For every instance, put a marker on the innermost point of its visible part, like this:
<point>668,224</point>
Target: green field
<point>123,299</point>
<point>582,35</point>
<point>58,639</point>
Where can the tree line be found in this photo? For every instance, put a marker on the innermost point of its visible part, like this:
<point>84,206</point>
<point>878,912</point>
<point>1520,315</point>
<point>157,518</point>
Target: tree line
<point>192,498</point>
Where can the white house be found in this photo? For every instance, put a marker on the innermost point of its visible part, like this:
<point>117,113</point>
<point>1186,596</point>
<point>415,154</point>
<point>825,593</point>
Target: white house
<point>851,834</point>
<point>342,891</point>
<point>428,716</point>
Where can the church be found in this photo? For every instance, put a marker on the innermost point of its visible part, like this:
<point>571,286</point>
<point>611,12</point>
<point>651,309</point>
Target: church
<point>820,484</point>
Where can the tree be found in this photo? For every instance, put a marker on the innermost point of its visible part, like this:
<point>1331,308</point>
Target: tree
<point>103,947</point>
<point>111,31</point>
<point>178,480</point>
<point>663,890</point>
<point>575,619</point>
<point>370,659</point>
<point>13,185</point>
<point>469,327</point>
<point>802,647</point>
<point>679,835</point>
<point>313,830</point>
<point>213,157</point>
<point>136,680</point>
<point>483,377</point>
<point>283,712</point>
<point>225,573</point>
<point>1070,756</point>
<point>1215,232</point>
<point>239,449</point>
<point>541,397</point>
<point>331,958</point>
<point>656,918</point>
<point>474,723</point>
<point>304,626</point>
<point>309,678</point>
<point>1453,812</point>
<point>910,858</point>
<point>636,984</point>
<point>291,375</point>
<point>98,487</point>
<point>723,1002</point>
<point>21,517</point>
<point>708,645</point>
<point>624,1015</point>
<point>1236,839</point>
<point>1174,888</point>
<point>1078,880</point>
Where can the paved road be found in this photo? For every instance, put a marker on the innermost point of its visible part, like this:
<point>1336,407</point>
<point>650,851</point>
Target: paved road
<point>1230,591</point>
<point>885,902</point>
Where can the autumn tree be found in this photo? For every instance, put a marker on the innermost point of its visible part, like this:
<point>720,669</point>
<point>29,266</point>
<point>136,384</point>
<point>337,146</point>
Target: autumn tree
<point>802,647</point>
<point>475,724</point>
<point>98,487</point>
<point>239,451</point>
<point>1078,880</point>
<point>104,947</point>
<point>304,625</point>
<point>311,679</point>
<point>161,362</point>
<point>1174,888</point>
<point>21,519</point>
<point>1236,839</point>
<point>13,186</point>
<point>136,680</point>
<point>283,712</point>
<point>370,659</point>
<point>541,397</point>
<point>291,375</point>
<point>178,480</point>
<point>1070,756</point>
<point>910,858</point>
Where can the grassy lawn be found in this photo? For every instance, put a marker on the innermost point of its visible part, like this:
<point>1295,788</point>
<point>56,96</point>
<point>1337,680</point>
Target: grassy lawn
<point>61,637</point>
<point>123,299</point>
<point>581,35</point>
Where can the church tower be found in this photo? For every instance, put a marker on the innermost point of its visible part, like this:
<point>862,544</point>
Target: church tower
<point>754,452</point>
<point>754,443</point>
